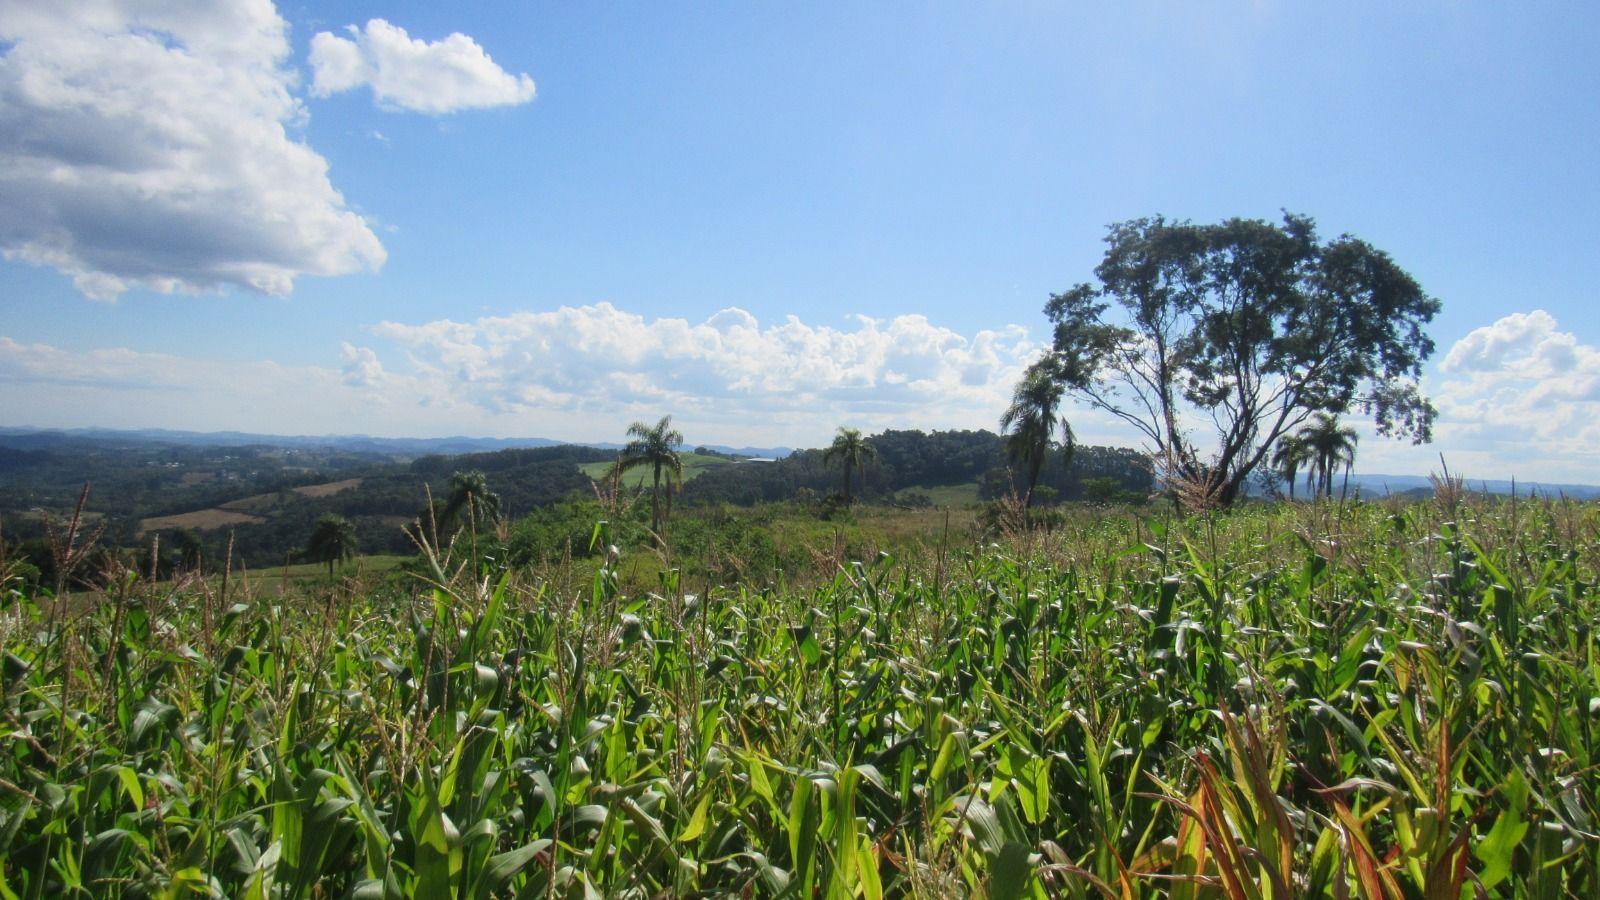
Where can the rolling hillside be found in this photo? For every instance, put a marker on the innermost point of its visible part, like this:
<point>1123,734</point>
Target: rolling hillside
<point>694,464</point>
<point>244,511</point>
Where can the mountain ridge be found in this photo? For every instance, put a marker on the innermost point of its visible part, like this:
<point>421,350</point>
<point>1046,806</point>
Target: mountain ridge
<point>35,438</point>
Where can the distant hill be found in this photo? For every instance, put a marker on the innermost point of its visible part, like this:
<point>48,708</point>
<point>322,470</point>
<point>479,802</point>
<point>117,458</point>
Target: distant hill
<point>47,438</point>
<point>1378,485</point>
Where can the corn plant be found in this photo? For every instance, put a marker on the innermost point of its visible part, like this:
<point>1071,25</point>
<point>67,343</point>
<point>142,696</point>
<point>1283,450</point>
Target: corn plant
<point>1357,700</point>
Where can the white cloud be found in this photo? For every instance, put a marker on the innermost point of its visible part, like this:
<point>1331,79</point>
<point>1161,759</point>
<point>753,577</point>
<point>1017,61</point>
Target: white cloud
<point>429,77</point>
<point>729,373</point>
<point>49,386</point>
<point>361,367</point>
<point>148,144</point>
<point>1517,398</point>
<point>1545,373</point>
<point>1525,344</point>
<point>578,373</point>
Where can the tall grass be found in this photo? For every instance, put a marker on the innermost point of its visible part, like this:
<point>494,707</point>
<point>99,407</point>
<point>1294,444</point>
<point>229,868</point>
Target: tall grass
<point>1371,700</point>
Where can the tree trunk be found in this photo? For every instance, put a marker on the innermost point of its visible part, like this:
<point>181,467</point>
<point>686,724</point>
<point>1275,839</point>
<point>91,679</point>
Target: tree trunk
<point>655,502</point>
<point>1034,466</point>
<point>1227,493</point>
<point>847,481</point>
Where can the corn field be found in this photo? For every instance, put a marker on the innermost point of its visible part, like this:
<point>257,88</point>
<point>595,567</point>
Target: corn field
<point>1362,700</point>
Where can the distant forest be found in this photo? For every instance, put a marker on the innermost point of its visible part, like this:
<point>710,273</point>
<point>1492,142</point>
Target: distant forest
<point>135,479</point>
<point>908,460</point>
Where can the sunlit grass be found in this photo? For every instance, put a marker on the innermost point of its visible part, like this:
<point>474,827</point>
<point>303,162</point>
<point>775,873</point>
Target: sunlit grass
<point>693,465</point>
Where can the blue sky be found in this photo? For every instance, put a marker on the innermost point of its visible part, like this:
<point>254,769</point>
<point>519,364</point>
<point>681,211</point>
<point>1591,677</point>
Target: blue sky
<point>482,257</point>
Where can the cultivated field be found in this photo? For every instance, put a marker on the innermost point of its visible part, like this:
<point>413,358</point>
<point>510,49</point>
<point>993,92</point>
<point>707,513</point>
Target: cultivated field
<point>199,520</point>
<point>1374,700</point>
<point>328,489</point>
<point>693,465</point>
<point>243,511</point>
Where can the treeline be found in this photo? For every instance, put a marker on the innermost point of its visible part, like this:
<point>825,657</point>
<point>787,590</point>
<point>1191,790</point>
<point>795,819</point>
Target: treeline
<point>524,479</point>
<point>908,460</point>
<point>133,480</point>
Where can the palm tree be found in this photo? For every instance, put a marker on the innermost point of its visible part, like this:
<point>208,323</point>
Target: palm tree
<point>853,451</point>
<point>657,447</point>
<point>470,500</point>
<point>1029,422</point>
<point>333,539</point>
<point>1329,445</point>
<point>1292,455</point>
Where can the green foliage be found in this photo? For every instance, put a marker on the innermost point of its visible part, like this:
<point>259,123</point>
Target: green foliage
<point>921,460</point>
<point>470,503</point>
<point>137,478</point>
<point>852,452</point>
<point>333,540</point>
<point>565,530</point>
<point>694,464</point>
<point>654,448</point>
<point>1030,423</point>
<point>1305,700</point>
<point>1101,490</point>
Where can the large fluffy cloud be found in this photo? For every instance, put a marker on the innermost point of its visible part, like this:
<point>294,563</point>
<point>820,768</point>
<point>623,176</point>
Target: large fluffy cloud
<point>430,77</point>
<point>1526,376</point>
<point>1518,397</point>
<point>1522,346</point>
<point>729,369</point>
<point>580,373</point>
<point>147,143</point>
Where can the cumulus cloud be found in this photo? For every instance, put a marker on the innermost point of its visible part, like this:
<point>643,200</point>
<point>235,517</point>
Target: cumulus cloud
<point>148,144</point>
<point>361,367</point>
<point>1519,397</point>
<point>1526,344</point>
<point>729,370</point>
<point>404,73</point>
<point>578,373</point>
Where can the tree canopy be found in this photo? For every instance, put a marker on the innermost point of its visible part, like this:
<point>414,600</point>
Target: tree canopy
<point>1030,423</point>
<point>852,451</point>
<point>655,446</point>
<point>333,539</point>
<point>1244,329</point>
<point>1327,446</point>
<point>470,502</point>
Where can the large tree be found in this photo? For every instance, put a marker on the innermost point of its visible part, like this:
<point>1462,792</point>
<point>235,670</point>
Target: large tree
<point>852,451</point>
<point>1244,329</point>
<point>655,446</point>
<point>333,539</point>
<point>1029,424</point>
